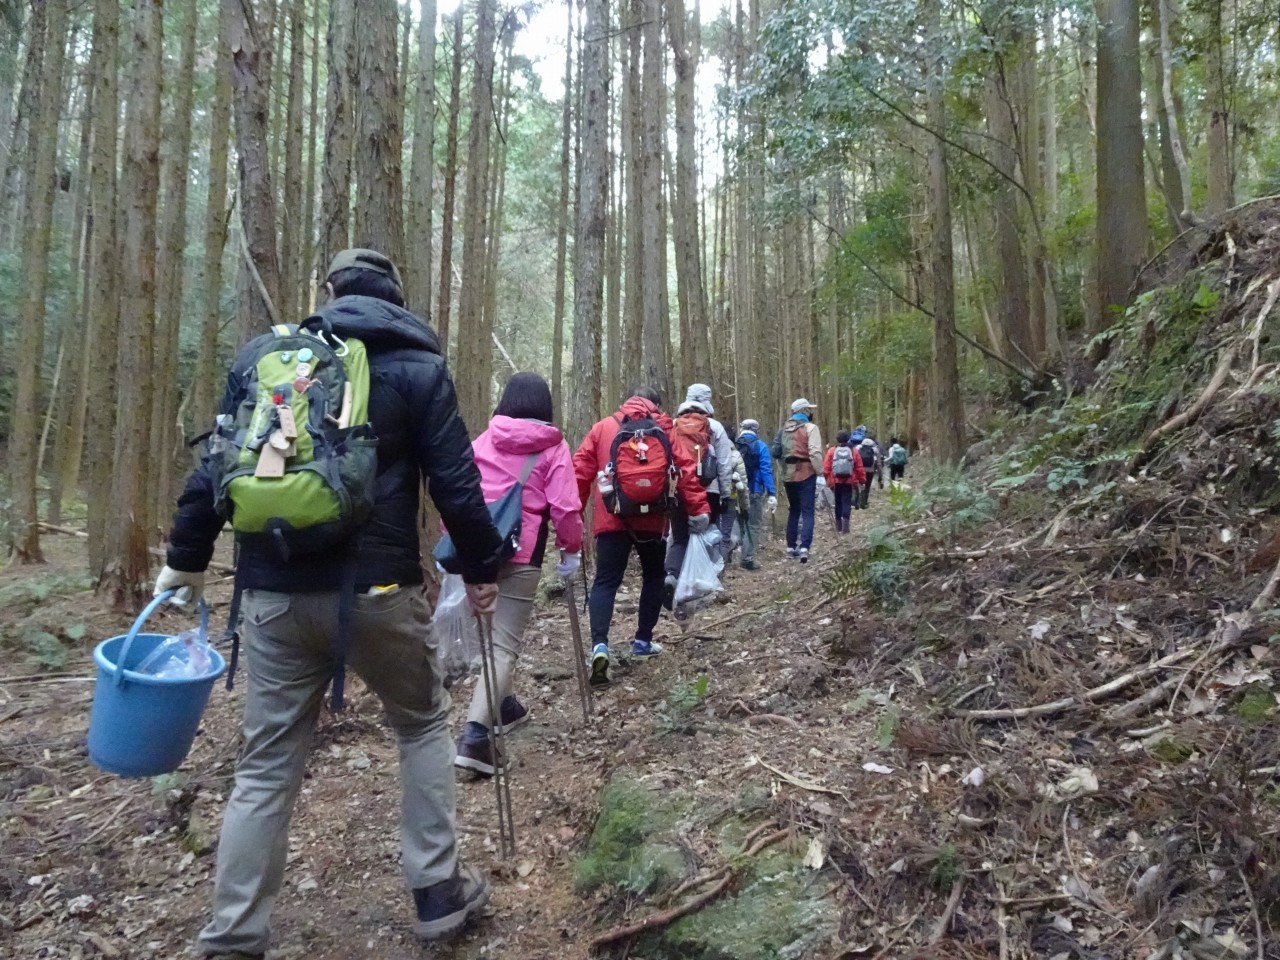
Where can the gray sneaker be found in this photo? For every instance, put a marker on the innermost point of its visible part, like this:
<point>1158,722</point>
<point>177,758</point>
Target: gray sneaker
<point>444,908</point>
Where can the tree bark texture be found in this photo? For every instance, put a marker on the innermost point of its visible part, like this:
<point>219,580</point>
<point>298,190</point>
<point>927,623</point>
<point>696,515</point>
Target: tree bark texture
<point>379,213</point>
<point>445,300</point>
<point>654,358</point>
<point>250,67</point>
<point>417,269</point>
<point>1122,205</point>
<point>292,225</point>
<point>562,228</point>
<point>128,559</point>
<point>335,186</point>
<point>42,155</point>
<point>588,288</point>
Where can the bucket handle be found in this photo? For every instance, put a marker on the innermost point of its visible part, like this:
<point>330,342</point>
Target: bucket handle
<point>149,609</point>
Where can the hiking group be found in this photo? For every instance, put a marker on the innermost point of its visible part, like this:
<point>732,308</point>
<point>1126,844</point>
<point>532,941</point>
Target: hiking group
<point>326,436</point>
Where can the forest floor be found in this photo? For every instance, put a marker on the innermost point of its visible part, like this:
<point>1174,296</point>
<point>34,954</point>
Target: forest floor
<point>1033,733</point>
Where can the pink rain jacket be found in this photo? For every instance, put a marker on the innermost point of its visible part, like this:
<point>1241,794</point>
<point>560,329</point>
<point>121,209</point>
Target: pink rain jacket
<point>551,491</point>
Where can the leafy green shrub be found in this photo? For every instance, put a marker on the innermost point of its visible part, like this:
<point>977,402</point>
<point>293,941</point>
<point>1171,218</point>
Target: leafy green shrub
<point>622,852</point>
<point>687,694</point>
<point>882,569</point>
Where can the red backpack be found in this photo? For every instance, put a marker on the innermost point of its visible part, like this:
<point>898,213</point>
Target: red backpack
<point>693,433</point>
<point>642,468</point>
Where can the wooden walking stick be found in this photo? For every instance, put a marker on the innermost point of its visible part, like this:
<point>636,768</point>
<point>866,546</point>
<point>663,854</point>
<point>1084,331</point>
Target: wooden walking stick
<point>585,693</point>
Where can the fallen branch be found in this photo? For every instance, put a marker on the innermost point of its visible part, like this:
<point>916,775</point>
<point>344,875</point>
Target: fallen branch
<point>1089,696</point>
<point>1140,705</point>
<point>797,782</point>
<point>772,718</point>
<point>1192,412</point>
<point>667,917</point>
<point>944,921</point>
<point>1257,917</point>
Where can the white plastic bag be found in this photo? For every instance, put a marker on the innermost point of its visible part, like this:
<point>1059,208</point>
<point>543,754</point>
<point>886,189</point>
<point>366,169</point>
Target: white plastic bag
<point>184,657</point>
<point>700,575</point>
<point>457,641</point>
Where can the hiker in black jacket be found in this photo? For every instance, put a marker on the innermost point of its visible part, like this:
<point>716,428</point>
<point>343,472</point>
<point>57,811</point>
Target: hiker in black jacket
<point>292,611</point>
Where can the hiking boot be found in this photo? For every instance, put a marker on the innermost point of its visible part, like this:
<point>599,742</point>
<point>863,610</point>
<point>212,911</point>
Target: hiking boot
<point>803,554</point>
<point>445,907</point>
<point>749,565</point>
<point>645,649</point>
<point>478,755</point>
<point>511,714</point>
<point>600,665</point>
<point>669,592</point>
<point>792,553</point>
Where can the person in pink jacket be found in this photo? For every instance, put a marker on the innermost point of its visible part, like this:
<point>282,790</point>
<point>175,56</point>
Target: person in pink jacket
<point>521,436</point>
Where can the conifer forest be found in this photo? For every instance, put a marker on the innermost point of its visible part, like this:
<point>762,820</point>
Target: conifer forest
<point>1023,705</point>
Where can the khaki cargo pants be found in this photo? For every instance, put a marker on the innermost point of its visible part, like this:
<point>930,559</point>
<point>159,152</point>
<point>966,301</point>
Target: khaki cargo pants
<point>287,646</point>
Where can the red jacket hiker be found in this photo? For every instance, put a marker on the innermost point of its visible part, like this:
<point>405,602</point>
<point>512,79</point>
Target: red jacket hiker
<point>593,456</point>
<point>859,471</point>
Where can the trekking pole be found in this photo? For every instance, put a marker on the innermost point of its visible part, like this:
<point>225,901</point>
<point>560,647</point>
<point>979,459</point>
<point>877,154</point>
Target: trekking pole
<point>501,785</point>
<point>585,693</point>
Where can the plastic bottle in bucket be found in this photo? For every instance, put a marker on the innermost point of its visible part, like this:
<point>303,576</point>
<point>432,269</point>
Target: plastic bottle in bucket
<point>143,724</point>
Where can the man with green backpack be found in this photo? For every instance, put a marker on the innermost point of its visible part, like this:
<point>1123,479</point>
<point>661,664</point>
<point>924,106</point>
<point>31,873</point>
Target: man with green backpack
<point>321,446</point>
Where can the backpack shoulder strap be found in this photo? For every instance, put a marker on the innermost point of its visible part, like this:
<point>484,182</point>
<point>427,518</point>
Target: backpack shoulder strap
<point>530,462</point>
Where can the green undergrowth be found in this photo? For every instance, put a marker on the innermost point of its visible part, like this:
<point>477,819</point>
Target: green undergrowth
<point>630,848</point>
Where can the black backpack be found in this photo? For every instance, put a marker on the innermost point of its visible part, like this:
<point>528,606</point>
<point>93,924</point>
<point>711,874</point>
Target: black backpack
<point>868,454</point>
<point>750,456</point>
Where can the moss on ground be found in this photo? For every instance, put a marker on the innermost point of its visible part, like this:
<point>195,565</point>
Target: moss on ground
<point>630,847</point>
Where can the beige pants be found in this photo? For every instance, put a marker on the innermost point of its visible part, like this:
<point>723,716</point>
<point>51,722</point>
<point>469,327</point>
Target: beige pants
<point>287,644</point>
<point>517,586</point>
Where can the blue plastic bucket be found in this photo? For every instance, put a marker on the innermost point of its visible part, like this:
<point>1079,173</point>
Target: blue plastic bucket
<point>140,725</point>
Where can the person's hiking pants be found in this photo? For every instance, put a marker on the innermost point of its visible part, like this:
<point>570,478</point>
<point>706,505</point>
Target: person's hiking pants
<point>864,493</point>
<point>517,586</point>
<point>754,527</point>
<point>844,503</point>
<point>287,641</point>
<point>613,550</point>
<point>728,520</point>
<point>896,470</point>
<point>800,502</point>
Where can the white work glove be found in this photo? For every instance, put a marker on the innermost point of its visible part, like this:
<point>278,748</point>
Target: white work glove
<point>772,505</point>
<point>568,565</point>
<point>190,586</point>
<point>699,524</point>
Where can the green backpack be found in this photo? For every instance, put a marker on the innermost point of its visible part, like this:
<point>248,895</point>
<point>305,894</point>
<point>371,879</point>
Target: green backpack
<point>294,463</point>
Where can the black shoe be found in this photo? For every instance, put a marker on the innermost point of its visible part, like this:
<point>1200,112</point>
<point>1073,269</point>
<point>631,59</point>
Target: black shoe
<point>669,592</point>
<point>749,565</point>
<point>511,714</point>
<point>477,755</point>
<point>444,908</point>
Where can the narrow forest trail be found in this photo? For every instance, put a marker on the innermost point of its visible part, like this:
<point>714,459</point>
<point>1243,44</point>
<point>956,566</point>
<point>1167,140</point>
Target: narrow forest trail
<point>98,864</point>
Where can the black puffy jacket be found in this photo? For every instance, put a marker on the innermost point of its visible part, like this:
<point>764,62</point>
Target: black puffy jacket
<point>414,412</point>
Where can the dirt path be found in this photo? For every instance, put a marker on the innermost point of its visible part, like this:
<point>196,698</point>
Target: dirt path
<point>94,864</point>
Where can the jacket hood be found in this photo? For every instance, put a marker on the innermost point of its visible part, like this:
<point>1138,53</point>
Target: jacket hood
<point>513,435</point>
<point>634,407</point>
<point>868,442</point>
<point>698,395</point>
<point>800,417</point>
<point>379,324</point>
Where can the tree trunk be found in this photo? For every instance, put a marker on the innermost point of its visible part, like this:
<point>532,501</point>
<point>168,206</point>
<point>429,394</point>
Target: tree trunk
<point>208,373</point>
<point>104,286</point>
<point>417,272</point>
<point>632,153</point>
<point>689,273</point>
<point>335,186</point>
<point>450,185</point>
<point>291,225</point>
<point>128,561</point>
<point>562,227</point>
<point>1165,14</point>
<point>16,168</point>
<point>654,361</point>
<point>475,351</point>
<point>1122,205</point>
<point>379,213</point>
<point>948,429</point>
<point>1219,171</point>
<point>250,68</point>
<point>588,288</point>
<point>42,157</point>
<point>309,244</point>
<point>173,244</point>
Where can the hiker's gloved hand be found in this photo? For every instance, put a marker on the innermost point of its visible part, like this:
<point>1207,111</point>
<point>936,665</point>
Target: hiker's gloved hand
<point>482,598</point>
<point>569,564</point>
<point>190,586</point>
<point>772,504</point>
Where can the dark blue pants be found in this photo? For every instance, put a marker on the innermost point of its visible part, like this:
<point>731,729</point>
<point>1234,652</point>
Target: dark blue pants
<point>844,504</point>
<point>800,499</point>
<point>613,551</point>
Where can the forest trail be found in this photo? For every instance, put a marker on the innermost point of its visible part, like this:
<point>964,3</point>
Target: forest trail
<point>98,864</point>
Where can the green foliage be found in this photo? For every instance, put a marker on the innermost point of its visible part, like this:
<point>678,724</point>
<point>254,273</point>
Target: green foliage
<point>949,496</point>
<point>32,590</point>
<point>946,868</point>
<point>687,694</point>
<point>46,650</point>
<point>1257,705</point>
<point>881,569</point>
<point>887,726</point>
<point>622,852</point>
